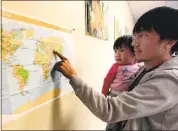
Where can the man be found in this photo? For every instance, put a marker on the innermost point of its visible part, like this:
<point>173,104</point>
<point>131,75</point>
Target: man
<point>152,102</point>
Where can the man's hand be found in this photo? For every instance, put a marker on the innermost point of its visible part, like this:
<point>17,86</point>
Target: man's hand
<point>64,66</point>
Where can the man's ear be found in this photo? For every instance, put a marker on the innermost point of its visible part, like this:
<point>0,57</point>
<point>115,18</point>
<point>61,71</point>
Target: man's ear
<point>170,44</point>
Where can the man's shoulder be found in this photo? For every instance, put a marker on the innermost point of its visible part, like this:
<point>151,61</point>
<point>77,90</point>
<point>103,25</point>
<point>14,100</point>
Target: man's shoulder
<point>162,75</point>
<point>175,72</point>
<point>167,69</point>
<point>171,64</point>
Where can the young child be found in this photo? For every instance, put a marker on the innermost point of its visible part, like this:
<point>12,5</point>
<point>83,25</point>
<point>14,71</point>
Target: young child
<point>121,73</point>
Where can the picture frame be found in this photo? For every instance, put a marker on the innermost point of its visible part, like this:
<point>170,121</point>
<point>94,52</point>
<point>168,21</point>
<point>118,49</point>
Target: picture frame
<point>96,19</point>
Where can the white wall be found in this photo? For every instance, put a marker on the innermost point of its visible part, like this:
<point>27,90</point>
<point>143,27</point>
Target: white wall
<point>93,58</point>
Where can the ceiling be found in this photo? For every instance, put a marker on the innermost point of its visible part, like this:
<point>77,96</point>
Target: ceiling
<point>140,7</point>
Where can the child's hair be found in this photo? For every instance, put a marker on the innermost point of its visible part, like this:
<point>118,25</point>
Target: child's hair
<point>126,41</point>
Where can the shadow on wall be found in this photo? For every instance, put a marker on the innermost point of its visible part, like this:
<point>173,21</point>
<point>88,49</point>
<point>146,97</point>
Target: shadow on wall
<point>59,119</point>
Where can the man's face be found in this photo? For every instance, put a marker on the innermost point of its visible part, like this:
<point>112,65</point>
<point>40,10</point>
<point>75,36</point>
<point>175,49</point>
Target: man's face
<point>147,45</point>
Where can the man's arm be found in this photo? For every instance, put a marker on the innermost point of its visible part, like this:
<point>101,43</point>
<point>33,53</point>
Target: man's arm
<point>157,94</point>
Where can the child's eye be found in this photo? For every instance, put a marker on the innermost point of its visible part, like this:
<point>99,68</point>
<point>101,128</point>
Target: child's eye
<point>122,50</point>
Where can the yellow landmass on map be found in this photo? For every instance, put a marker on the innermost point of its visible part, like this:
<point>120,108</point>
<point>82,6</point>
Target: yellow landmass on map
<point>43,60</point>
<point>44,53</point>
<point>47,96</point>
<point>45,70</point>
<point>12,40</point>
<point>9,44</point>
<point>51,43</point>
<point>29,33</point>
<point>21,75</point>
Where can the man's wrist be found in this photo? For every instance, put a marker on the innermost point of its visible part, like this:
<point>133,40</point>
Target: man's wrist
<point>72,75</point>
<point>75,81</point>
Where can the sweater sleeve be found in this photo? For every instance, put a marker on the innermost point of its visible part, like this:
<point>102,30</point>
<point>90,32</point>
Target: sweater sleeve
<point>109,78</point>
<point>149,98</point>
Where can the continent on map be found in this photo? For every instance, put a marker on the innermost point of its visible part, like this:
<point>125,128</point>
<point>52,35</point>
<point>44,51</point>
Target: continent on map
<point>21,75</point>
<point>44,53</point>
<point>12,40</point>
<point>9,43</point>
<point>43,60</point>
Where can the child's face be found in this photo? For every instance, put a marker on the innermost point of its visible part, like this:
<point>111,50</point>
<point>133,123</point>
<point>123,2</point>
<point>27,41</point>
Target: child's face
<point>123,56</point>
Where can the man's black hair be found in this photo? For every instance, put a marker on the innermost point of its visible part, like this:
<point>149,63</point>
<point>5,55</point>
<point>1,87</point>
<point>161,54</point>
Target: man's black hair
<point>163,20</point>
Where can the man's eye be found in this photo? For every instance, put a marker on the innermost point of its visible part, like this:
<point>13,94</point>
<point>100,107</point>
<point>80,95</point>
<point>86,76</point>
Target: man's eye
<point>143,35</point>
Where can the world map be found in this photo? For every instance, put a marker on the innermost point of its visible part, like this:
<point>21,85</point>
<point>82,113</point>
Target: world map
<point>28,62</point>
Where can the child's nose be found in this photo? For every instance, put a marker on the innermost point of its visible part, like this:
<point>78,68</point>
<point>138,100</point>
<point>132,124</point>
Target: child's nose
<point>117,53</point>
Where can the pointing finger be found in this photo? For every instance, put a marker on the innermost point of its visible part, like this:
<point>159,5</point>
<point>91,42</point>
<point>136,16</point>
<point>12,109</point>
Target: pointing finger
<point>59,55</point>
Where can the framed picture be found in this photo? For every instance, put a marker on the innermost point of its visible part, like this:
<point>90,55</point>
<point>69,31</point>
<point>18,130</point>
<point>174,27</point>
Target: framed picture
<point>119,28</point>
<point>126,30</point>
<point>96,19</point>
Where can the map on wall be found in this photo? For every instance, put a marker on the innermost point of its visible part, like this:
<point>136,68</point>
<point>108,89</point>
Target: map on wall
<point>28,75</point>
